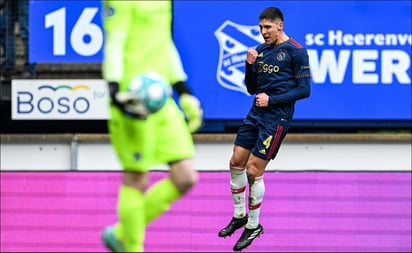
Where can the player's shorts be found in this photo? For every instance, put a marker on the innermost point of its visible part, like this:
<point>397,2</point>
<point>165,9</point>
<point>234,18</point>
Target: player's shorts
<point>262,137</point>
<point>162,138</point>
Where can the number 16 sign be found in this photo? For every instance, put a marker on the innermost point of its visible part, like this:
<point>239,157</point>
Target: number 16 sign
<point>65,31</point>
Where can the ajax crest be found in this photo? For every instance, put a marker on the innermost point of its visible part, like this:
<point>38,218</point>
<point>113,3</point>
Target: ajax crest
<point>234,41</point>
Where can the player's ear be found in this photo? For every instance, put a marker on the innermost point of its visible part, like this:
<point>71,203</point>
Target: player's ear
<point>280,26</point>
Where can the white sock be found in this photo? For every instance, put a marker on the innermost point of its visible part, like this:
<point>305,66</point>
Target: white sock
<point>238,182</point>
<point>256,192</point>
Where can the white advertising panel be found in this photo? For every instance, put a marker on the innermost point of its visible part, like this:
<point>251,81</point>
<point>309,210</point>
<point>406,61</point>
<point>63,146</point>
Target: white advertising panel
<point>71,99</point>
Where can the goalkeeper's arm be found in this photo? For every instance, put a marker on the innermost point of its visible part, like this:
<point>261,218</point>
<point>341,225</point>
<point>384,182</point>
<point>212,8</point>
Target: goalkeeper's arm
<point>190,105</point>
<point>112,70</point>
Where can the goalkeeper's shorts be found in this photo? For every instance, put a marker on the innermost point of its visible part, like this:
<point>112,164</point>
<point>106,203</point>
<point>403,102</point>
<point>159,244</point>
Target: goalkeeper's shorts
<point>162,138</point>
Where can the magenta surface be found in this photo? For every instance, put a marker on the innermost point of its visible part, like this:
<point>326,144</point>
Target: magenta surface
<point>302,211</point>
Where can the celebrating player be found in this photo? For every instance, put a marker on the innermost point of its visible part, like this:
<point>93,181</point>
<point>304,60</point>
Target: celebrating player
<point>278,73</point>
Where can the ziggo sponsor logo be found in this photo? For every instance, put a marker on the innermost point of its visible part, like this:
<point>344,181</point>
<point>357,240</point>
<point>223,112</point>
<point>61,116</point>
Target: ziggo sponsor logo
<point>62,99</point>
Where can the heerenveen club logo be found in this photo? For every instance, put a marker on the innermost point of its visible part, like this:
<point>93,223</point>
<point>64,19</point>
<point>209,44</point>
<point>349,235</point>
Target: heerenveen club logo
<point>234,41</point>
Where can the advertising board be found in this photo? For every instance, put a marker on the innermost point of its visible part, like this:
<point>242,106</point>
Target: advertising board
<point>359,51</point>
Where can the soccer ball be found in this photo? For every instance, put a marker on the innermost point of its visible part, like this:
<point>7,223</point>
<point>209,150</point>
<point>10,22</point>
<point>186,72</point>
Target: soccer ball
<point>150,91</point>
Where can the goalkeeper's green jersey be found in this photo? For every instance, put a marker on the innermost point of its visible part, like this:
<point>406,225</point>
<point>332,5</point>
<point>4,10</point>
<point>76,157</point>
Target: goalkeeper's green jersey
<point>142,29</point>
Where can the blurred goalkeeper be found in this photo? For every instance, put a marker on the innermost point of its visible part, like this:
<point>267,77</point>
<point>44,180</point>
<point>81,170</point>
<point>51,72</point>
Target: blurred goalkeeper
<point>139,40</point>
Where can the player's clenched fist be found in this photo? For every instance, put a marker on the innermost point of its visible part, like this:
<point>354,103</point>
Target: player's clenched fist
<point>251,55</point>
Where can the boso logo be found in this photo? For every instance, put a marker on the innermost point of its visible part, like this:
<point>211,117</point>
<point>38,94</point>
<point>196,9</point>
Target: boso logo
<point>234,41</point>
<point>63,104</point>
<point>59,99</point>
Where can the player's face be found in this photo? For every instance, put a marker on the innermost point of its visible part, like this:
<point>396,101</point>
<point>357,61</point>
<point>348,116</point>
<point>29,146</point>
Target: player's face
<point>271,30</point>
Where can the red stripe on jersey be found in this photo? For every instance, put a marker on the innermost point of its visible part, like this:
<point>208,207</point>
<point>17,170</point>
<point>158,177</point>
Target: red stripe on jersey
<point>236,191</point>
<point>253,207</point>
<point>275,143</point>
<point>294,42</point>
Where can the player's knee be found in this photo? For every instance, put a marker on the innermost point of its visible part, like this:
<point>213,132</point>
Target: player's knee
<point>183,174</point>
<point>253,173</point>
<point>185,180</point>
<point>236,164</point>
<point>188,182</point>
<point>192,179</point>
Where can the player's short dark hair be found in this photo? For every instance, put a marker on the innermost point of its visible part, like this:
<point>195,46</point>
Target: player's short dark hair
<point>271,13</point>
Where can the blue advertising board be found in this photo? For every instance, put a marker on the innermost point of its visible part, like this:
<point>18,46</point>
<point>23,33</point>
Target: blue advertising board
<point>65,31</point>
<point>360,51</point>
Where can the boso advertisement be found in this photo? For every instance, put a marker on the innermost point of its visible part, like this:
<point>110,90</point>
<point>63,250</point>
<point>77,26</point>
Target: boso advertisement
<point>359,51</point>
<point>59,99</point>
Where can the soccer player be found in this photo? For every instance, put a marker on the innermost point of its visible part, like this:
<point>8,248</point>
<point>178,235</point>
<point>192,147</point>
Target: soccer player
<point>278,73</point>
<point>139,40</point>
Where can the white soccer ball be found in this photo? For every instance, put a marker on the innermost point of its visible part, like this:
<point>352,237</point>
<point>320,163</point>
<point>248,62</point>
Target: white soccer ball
<point>151,91</point>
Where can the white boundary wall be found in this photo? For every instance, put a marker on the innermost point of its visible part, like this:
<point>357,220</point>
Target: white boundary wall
<point>299,152</point>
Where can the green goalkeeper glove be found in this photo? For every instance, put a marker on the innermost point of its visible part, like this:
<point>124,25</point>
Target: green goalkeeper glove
<point>127,102</point>
<point>193,110</point>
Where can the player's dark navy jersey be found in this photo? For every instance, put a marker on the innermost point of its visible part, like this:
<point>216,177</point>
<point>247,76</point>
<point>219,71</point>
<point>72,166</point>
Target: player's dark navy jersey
<point>282,72</point>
